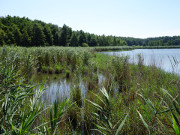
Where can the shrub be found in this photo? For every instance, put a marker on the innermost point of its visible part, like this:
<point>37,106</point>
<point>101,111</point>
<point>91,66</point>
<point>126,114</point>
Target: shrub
<point>85,45</point>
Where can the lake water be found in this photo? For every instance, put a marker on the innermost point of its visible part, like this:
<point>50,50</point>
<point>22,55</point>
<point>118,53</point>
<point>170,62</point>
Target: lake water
<point>165,59</point>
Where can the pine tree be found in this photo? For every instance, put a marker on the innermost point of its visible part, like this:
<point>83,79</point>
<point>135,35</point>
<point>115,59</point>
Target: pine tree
<point>55,33</point>
<point>74,40</point>
<point>63,36</point>
<point>82,38</point>
<point>38,35</point>
<point>69,35</point>
<point>48,35</point>
<point>89,39</point>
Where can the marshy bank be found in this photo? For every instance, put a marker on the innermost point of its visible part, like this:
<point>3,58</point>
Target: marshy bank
<point>134,99</point>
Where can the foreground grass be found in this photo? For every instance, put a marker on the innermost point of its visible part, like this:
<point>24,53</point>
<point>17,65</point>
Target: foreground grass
<point>136,99</point>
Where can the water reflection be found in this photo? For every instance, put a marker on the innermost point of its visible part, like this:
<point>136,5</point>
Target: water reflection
<point>58,87</point>
<point>166,59</point>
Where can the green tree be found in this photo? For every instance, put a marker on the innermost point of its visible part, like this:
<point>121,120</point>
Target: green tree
<point>48,35</point>
<point>93,42</point>
<point>114,41</point>
<point>105,40</point>
<point>82,38</point>
<point>17,35</point>
<point>26,40</point>
<point>55,33</point>
<point>74,40</point>
<point>56,38</point>
<point>38,35</point>
<point>2,37</point>
<point>69,35</point>
<point>10,37</point>
<point>24,31</point>
<point>63,36</point>
<point>89,39</point>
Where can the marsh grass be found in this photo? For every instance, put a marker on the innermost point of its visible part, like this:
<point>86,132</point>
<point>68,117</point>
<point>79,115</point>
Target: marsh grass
<point>76,96</point>
<point>147,94</point>
<point>161,115</point>
<point>122,73</point>
<point>103,115</point>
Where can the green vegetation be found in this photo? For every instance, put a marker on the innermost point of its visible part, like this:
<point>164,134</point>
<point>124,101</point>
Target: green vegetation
<point>28,33</point>
<point>134,99</point>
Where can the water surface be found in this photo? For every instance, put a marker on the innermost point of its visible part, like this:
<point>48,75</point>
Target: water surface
<point>165,59</point>
<point>58,87</point>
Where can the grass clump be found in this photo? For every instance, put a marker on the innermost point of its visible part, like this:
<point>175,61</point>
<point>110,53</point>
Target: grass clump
<point>104,115</point>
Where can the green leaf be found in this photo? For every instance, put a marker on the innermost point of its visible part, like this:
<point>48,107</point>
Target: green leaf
<point>121,125</point>
<point>148,102</point>
<point>163,127</point>
<point>104,92</point>
<point>101,129</point>
<point>62,106</point>
<point>96,105</point>
<point>174,106</point>
<point>99,98</point>
<point>98,131</point>
<point>145,124</point>
<point>175,126</point>
<point>143,108</point>
<point>51,119</point>
<point>54,133</point>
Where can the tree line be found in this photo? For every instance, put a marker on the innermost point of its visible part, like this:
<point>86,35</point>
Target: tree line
<point>26,32</point>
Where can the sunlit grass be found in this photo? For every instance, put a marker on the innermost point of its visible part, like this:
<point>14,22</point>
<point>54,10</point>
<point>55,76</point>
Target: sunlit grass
<point>147,94</point>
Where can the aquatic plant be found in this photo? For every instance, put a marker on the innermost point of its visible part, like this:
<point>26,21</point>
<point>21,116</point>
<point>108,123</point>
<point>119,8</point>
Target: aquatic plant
<point>104,117</point>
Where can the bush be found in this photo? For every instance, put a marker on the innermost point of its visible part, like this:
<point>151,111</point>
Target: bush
<point>85,45</point>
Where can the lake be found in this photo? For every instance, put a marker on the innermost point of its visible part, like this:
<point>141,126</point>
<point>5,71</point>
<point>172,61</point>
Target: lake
<point>165,59</point>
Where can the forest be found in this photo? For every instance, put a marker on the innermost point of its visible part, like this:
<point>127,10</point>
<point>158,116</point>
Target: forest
<point>26,32</point>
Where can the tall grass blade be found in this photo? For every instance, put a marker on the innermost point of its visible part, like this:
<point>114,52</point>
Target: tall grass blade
<point>101,129</point>
<point>145,124</point>
<point>104,92</point>
<point>121,125</point>
<point>96,105</point>
<point>175,126</point>
<point>166,130</point>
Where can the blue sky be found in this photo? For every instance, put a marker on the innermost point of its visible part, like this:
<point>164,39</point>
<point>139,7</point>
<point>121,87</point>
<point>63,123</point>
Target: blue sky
<point>129,18</point>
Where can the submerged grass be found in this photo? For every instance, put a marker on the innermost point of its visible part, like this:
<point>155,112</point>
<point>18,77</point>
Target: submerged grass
<point>137,99</point>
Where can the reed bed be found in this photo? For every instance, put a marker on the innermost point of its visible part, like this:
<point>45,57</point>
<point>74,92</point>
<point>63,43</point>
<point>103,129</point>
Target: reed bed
<point>134,99</point>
